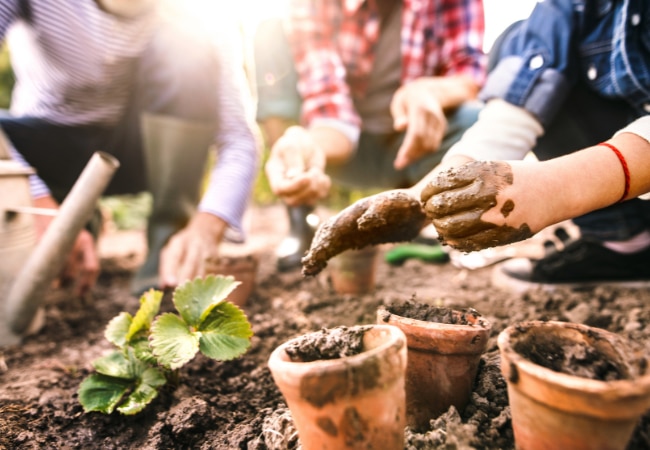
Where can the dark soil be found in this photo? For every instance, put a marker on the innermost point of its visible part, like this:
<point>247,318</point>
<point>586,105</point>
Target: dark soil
<point>585,355</point>
<point>235,404</point>
<point>327,343</point>
<point>429,313</point>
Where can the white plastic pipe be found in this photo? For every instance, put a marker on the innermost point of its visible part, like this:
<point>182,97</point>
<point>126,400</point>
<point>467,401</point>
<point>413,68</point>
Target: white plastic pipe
<point>46,262</point>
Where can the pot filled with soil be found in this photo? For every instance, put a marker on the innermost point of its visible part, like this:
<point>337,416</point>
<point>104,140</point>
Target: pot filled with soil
<point>344,386</point>
<point>444,352</point>
<point>572,386</point>
<point>353,271</point>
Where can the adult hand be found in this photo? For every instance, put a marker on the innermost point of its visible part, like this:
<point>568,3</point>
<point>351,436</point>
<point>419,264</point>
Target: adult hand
<point>416,108</point>
<point>81,267</point>
<point>190,251</point>
<point>485,204</point>
<point>296,168</point>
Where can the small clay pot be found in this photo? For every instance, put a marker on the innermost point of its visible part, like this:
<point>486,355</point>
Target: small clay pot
<point>353,271</point>
<point>443,358</point>
<point>571,386</point>
<point>243,269</point>
<point>351,402</point>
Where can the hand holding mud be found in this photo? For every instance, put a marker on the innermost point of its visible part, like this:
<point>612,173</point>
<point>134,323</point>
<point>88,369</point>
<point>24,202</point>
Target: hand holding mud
<point>391,216</point>
<point>461,203</point>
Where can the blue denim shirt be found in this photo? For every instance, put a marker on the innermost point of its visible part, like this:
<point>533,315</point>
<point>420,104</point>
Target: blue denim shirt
<point>603,43</point>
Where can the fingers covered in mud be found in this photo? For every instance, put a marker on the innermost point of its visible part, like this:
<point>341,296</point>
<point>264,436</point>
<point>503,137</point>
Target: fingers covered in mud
<point>463,198</point>
<point>461,225</point>
<point>492,236</point>
<point>392,216</point>
<point>457,199</point>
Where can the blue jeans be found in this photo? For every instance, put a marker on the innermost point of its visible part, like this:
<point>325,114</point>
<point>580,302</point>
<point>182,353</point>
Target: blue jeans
<point>174,76</point>
<point>371,167</point>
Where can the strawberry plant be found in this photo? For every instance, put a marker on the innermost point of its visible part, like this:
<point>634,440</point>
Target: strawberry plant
<point>152,347</point>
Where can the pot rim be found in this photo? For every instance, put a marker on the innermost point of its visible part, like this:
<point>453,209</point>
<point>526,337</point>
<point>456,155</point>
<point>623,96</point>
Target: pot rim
<point>617,398</point>
<point>278,361</point>
<point>452,338</point>
<point>482,322</point>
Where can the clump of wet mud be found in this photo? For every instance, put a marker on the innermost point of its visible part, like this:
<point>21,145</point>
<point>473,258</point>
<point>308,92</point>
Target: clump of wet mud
<point>392,216</point>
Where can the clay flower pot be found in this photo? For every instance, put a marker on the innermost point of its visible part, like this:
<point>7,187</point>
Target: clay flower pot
<point>244,269</point>
<point>355,401</point>
<point>571,386</point>
<point>353,271</point>
<point>444,353</point>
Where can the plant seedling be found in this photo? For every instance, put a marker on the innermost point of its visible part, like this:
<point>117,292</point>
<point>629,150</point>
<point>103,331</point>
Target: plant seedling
<point>151,348</point>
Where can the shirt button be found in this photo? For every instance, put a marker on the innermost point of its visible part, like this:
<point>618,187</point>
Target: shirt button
<point>647,107</point>
<point>635,19</point>
<point>592,73</point>
<point>536,62</point>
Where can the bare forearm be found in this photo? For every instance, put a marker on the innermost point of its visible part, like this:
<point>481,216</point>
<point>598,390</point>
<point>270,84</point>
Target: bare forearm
<point>593,178</point>
<point>336,146</point>
<point>451,91</point>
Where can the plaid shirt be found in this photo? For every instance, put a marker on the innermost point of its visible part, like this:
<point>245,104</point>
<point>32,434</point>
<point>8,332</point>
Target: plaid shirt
<point>333,42</point>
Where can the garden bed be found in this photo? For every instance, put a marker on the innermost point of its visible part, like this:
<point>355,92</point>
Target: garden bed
<point>235,404</point>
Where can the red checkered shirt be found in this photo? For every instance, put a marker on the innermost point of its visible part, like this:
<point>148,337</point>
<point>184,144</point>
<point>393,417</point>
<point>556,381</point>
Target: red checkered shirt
<point>333,41</point>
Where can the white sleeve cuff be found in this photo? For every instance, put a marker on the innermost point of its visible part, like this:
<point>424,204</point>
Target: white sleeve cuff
<point>503,131</point>
<point>640,127</point>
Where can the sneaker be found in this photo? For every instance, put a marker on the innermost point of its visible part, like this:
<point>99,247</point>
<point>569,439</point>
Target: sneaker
<point>581,263</point>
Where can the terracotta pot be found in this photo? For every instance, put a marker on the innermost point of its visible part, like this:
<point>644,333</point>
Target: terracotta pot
<point>443,361</point>
<point>354,402</point>
<point>353,271</point>
<point>244,269</point>
<point>572,409</point>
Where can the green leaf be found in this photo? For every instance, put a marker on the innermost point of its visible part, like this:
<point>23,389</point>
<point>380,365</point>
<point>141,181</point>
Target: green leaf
<point>195,299</point>
<point>172,341</point>
<point>142,350</point>
<point>226,333</point>
<point>146,391</point>
<point>118,364</point>
<point>102,393</point>
<point>117,329</point>
<point>149,307</point>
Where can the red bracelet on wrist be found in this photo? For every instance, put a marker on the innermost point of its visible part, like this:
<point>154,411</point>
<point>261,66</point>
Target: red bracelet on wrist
<point>626,170</point>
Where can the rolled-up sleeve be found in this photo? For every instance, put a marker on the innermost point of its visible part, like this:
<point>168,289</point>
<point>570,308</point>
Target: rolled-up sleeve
<point>536,61</point>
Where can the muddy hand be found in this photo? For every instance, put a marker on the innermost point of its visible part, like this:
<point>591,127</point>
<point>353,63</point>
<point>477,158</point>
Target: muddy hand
<point>392,216</point>
<point>457,199</point>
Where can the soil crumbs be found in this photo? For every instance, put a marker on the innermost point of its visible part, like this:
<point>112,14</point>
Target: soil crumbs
<point>235,404</point>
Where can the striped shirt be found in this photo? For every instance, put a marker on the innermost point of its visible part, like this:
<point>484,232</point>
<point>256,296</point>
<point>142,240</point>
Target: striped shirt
<point>74,65</point>
<point>334,43</point>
